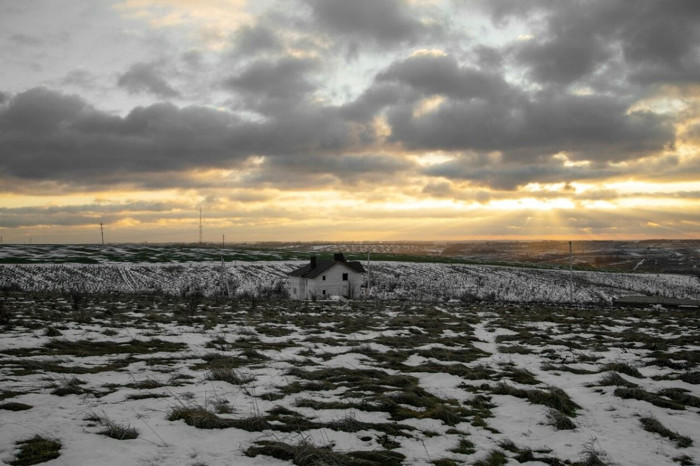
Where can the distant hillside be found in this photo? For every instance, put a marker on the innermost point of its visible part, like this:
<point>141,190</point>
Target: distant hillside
<point>657,256</point>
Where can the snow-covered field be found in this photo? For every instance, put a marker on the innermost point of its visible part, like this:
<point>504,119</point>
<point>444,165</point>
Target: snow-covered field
<point>390,280</point>
<point>158,379</point>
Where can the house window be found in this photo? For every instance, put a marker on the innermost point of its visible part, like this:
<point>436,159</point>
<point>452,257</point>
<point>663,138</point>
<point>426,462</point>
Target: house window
<point>324,278</point>
<point>345,277</point>
<point>324,291</point>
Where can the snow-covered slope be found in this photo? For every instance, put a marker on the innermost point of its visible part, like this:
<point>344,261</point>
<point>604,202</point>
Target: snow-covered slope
<point>389,280</point>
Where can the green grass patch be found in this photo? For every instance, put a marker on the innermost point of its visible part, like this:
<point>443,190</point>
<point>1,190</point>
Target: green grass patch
<point>112,429</point>
<point>232,376</point>
<point>14,406</point>
<point>649,397</point>
<point>522,376</point>
<point>651,424</point>
<point>616,380</point>
<point>37,450</point>
<point>144,396</point>
<point>691,377</point>
<point>559,421</point>
<point>68,386</point>
<point>623,368</point>
<point>554,397</point>
<point>494,458</point>
<point>464,447</point>
<point>88,348</point>
<point>306,453</point>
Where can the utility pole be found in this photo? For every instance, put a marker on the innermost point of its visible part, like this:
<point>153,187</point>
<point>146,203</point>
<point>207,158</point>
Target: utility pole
<point>223,240</point>
<point>200,225</point>
<point>102,233</point>
<point>571,273</point>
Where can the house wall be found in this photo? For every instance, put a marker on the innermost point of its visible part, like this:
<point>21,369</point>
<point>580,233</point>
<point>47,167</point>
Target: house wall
<point>333,285</point>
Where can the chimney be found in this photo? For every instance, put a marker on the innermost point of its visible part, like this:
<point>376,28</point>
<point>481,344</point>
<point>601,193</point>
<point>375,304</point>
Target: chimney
<point>339,257</point>
<point>313,262</point>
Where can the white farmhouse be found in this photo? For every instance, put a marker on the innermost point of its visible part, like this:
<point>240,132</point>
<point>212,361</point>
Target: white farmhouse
<point>325,278</point>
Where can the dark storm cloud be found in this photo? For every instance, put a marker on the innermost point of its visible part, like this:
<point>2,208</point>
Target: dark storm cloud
<point>438,74</point>
<point>39,111</point>
<point>274,85</point>
<point>46,135</point>
<point>662,41</point>
<point>386,22</point>
<point>146,78</point>
<point>659,40</point>
<point>510,176</point>
<point>562,59</point>
<point>483,112</point>
<point>371,101</point>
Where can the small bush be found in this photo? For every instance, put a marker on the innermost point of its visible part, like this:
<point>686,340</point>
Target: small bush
<point>197,416</point>
<point>559,421</point>
<point>37,450</point>
<point>119,432</point>
<point>222,406</point>
<point>509,445</point>
<point>146,384</point>
<point>615,379</point>
<point>525,455</point>
<point>591,456</point>
<point>522,376</point>
<point>52,332</point>
<point>112,429</point>
<point>465,447</point>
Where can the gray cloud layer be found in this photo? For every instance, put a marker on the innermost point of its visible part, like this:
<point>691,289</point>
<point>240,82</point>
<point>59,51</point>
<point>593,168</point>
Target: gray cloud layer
<point>515,99</point>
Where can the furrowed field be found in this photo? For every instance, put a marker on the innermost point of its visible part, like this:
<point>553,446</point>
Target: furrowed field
<point>184,379</point>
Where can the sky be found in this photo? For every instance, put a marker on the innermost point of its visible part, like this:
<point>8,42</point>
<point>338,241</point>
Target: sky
<point>338,120</point>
